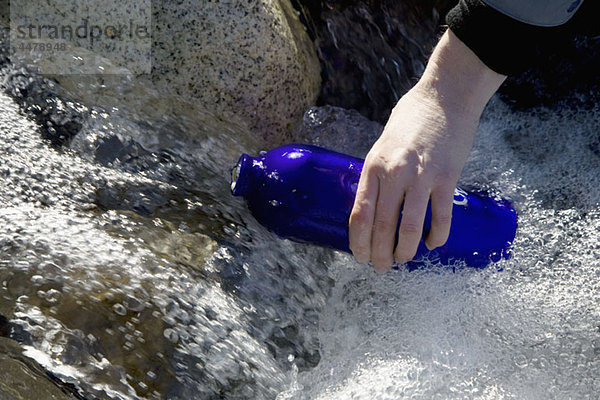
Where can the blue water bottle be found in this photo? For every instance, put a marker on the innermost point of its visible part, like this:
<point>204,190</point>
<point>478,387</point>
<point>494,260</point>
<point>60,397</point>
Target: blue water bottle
<point>306,193</point>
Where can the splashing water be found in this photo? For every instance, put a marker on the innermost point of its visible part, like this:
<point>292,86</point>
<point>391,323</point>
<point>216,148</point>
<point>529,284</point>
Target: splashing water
<point>525,328</point>
<point>128,271</point>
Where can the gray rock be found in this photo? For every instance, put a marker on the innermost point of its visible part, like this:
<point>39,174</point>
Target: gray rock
<point>253,59</point>
<point>251,62</point>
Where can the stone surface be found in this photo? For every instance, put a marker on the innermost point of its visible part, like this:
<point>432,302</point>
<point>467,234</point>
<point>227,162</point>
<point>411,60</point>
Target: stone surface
<point>560,70</point>
<point>253,59</point>
<point>252,62</point>
<point>23,379</point>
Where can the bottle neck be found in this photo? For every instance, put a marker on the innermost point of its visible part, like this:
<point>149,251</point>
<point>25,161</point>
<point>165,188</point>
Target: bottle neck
<point>241,175</point>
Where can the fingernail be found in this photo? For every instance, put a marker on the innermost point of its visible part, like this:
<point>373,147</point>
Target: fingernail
<point>401,261</point>
<point>381,271</point>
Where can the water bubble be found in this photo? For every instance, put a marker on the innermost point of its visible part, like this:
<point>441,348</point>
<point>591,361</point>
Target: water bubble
<point>133,304</point>
<point>521,361</point>
<point>171,335</point>
<point>51,297</point>
<point>119,309</point>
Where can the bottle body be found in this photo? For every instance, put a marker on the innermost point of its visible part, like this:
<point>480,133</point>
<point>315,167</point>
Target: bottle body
<point>306,193</point>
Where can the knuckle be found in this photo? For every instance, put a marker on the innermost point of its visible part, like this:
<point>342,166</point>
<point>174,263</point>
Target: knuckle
<point>409,229</point>
<point>396,170</point>
<point>382,224</point>
<point>361,209</point>
<point>376,164</point>
<point>442,219</point>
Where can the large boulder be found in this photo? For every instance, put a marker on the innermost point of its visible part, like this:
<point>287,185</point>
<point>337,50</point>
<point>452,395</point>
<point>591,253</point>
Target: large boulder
<point>249,62</point>
<point>253,59</point>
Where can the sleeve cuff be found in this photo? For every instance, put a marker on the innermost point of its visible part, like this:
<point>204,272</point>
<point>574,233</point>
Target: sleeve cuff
<point>505,45</point>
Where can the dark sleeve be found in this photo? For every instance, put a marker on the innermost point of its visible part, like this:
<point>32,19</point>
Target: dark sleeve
<point>505,45</point>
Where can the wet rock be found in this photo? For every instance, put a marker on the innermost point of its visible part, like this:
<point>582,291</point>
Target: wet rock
<point>22,379</point>
<point>59,119</point>
<point>371,52</point>
<point>594,145</point>
<point>4,326</point>
<point>563,71</point>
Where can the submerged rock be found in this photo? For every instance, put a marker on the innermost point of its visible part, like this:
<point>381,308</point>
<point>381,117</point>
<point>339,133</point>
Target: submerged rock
<point>22,379</point>
<point>338,129</point>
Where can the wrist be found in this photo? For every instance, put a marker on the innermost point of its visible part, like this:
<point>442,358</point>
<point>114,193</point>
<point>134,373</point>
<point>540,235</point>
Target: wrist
<point>457,79</point>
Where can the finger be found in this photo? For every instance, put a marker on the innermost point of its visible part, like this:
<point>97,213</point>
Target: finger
<point>441,217</point>
<point>411,226</point>
<point>362,215</point>
<point>384,227</point>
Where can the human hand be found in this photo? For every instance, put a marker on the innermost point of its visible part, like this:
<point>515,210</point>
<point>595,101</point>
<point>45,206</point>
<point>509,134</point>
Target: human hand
<point>419,157</point>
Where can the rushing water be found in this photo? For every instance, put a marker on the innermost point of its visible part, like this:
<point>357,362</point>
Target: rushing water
<point>127,268</point>
<point>128,271</point>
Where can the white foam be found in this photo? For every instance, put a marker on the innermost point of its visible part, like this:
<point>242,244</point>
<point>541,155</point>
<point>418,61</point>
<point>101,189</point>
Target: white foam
<point>526,328</point>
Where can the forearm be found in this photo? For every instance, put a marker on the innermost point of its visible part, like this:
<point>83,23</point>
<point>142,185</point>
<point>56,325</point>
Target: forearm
<point>457,80</point>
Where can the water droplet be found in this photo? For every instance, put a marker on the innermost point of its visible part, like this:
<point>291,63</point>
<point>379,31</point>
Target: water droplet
<point>133,304</point>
